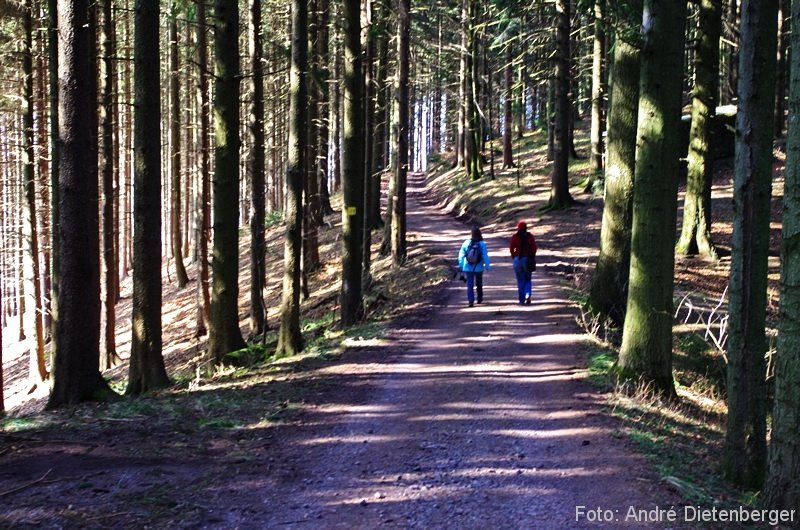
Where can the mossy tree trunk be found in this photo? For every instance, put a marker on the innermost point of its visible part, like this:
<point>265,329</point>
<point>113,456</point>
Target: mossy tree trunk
<point>401,126</point>
<point>290,338</point>
<point>646,352</point>
<point>696,233</point>
<point>609,291</point>
<point>224,334</point>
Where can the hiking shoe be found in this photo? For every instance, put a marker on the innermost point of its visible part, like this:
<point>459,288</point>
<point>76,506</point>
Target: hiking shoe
<point>527,300</point>
<point>469,304</point>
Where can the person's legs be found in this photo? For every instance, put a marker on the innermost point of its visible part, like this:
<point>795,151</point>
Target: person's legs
<point>527,287</point>
<point>479,285</point>
<point>470,287</point>
<point>519,272</point>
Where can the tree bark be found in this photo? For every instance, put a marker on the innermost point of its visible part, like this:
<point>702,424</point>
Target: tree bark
<point>401,128</point>
<point>473,156</point>
<point>290,338</point>
<point>696,233</point>
<point>34,324</point>
<point>560,196</point>
<point>646,352</point>
<point>781,490</point>
<point>744,459</point>
<point>76,372</point>
<point>609,291</point>
<point>107,170</point>
<point>224,333</point>
<point>598,86</point>
<point>352,168</point>
<point>175,150</point>
<point>146,371</point>
<point>508,108</point>
<point>203,215</point>
<point>257,164</point>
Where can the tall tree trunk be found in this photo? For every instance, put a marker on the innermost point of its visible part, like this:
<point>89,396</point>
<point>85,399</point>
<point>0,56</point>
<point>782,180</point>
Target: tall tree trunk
<point>313,216</point>
<point>324,56</point>
<point>463,74</point>
<point>508,107</point>
<point>290,338</point>
<point>473,154</point>
<point>696,234</point>
<point>381,158</point>
<point>43,176</point>
<point>146,371</point>
<point>175,148</point>
<point>560,196</point>
<point>257,179</point>
<point>352,168</point>
<point>732,54</point>
<point>609,290</point>
<point>76,370</point>
<point>401,128</point>
<point>203,229</point>
<point>745,441</point>
<point>110,277</point>
<point>370,184</point>
<point>781,489</point>
<point>598,86</point>
<point>30,233</point>
<point>52,71</point>
<point>436,110</point>
<point>224,333</point>
<point>646,351</point>
<point>126,246</point>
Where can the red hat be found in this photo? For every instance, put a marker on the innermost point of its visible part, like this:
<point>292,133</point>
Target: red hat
<point>522,226</point>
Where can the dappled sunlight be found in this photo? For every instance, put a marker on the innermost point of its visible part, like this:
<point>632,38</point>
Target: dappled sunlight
<point>563,338</point>
<point>543,433</point>
<point>354,439</point>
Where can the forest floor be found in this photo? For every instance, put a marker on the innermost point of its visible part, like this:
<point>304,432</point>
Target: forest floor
<point>429,415</point>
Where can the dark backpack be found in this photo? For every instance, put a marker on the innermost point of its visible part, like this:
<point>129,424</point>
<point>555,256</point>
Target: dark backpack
<point>474,253</point>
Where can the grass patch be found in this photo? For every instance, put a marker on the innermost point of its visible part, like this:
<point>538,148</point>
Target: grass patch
<point>682,438</point>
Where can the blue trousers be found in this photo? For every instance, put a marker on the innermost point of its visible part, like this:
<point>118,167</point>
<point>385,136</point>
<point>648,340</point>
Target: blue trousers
<point>523,279</point>
<point>474,279</point>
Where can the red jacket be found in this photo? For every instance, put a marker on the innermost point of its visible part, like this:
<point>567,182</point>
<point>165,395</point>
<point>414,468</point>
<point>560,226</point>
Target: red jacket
<point>516,245</point>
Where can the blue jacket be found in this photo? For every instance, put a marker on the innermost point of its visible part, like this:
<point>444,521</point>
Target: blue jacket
<point>469,267</point>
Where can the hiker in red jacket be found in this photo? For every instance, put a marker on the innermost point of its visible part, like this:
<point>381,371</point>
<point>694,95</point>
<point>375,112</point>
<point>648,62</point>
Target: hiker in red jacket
<point>523,251</point>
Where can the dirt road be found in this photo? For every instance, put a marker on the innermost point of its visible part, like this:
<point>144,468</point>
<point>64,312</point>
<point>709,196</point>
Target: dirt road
<point>480,417</point>
<point>463,418</point>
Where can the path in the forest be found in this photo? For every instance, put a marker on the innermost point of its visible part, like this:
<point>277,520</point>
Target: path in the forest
<point>479,417</point>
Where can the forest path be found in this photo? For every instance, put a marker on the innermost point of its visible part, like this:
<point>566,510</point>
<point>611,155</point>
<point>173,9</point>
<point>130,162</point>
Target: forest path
<point>477,417</point>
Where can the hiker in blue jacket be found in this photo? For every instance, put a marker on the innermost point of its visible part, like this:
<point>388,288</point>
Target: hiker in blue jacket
<point>473,259</point>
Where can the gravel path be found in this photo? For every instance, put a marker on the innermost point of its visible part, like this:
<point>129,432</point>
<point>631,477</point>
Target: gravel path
<point>478,417</point>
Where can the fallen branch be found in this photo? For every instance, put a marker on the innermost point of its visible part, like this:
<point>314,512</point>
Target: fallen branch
<point>22,487</point>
